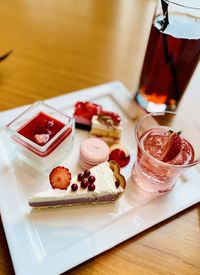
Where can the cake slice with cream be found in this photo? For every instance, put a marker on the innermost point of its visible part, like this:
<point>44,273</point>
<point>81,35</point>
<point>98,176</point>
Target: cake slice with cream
<point>107,125</point>
<point>100,184</point>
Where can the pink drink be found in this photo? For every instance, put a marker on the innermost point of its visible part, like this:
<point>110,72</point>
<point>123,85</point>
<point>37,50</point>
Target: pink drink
<point>151,173</point>
<point>155,140</point>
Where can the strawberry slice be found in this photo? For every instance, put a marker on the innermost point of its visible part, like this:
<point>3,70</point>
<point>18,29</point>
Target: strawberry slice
<point>172,148</point>
<point>60,177</point>
<point>41,139</point>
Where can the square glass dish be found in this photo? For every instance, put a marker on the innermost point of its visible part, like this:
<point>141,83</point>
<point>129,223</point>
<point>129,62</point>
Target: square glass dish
<point>42,135</point>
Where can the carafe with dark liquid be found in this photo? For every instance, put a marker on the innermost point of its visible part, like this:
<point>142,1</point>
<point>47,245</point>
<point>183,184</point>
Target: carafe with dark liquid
<point>171,57</point>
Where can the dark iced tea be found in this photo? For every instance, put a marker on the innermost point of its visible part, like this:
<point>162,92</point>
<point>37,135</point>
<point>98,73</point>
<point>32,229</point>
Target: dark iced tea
<point>170,60</point>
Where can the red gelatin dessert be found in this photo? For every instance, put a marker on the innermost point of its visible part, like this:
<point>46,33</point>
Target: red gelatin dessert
<point>41,128</point>
<point>42,135</point>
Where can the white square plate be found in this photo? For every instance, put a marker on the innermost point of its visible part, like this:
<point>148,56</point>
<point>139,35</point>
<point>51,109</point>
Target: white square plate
<point>52,241</point>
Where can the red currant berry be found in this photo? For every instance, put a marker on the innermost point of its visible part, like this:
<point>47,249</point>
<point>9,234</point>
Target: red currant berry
<point>81,176</point>
<point>87,173</point>
<point>91,187</point>
<point>91,179</point>
<point>118,119</point>
<point>74,187</point>
<point>84,183</point>
<point>49,124</point>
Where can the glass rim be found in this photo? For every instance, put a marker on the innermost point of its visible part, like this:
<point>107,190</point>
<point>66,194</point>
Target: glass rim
<point>153,158</point>
<point>177,3</point>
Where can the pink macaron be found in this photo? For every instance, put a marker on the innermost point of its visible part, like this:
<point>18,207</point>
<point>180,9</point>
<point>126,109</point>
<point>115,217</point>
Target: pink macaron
<point>93,151</point>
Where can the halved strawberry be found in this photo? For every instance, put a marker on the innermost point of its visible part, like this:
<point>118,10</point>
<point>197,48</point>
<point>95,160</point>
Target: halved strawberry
<point>173,147</point>
<point>60,177</point>
<point>119,154</point>
<point>114,116</point>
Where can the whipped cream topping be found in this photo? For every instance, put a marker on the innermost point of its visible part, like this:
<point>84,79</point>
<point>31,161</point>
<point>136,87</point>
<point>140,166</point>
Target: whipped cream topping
<point>105,184</point>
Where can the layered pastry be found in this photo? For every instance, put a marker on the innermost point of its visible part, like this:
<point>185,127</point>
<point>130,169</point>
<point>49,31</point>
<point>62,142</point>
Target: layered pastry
<point>100,184</point>
<point>107,125</point>
<point>84,112</point>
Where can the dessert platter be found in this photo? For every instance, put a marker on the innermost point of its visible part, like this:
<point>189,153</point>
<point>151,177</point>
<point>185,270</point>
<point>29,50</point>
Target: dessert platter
<point>66,180</point>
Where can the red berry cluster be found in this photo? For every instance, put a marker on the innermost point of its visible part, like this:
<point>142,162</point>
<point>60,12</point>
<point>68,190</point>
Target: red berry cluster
<point>86,109</point>
<point>87,181</point>
<point>114,116</point>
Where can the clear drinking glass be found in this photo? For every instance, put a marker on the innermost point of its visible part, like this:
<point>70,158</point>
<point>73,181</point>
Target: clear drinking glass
<point>42,121</point>
<point>152,134</point>
<point>172,53</point>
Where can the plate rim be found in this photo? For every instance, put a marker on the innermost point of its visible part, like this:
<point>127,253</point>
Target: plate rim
<point>50,265</point>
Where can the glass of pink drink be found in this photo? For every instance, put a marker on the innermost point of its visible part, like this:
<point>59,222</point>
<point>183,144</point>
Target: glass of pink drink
<point>168,144</point>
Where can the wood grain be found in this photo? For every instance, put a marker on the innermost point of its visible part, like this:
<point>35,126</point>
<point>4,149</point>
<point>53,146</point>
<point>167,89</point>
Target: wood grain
<point>64,45</point>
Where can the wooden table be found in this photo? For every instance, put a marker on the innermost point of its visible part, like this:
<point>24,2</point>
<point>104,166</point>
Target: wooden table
<point>64,45</point>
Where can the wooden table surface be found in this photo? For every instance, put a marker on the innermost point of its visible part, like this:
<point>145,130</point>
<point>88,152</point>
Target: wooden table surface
<point>62,46</point>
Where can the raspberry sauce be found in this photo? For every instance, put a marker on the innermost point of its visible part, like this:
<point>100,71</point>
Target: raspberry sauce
<point>41,124</point>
